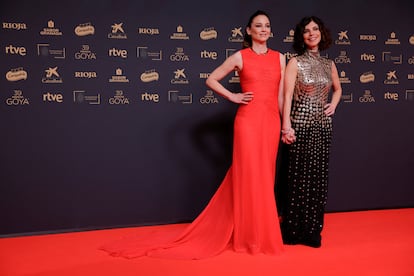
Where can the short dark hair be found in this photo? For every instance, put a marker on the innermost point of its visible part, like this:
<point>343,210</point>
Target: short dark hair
<point>298,43</point>
<point>247,39</point>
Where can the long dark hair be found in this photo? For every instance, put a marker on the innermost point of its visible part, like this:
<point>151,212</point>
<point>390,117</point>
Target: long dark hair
<point>298,43</point>
<point>247,39</point>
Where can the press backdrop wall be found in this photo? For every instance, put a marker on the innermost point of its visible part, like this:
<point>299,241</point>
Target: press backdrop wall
<point>106,120</point>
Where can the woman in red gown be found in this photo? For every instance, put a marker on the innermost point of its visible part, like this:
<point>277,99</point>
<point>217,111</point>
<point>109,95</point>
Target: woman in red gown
<point>242,214</point>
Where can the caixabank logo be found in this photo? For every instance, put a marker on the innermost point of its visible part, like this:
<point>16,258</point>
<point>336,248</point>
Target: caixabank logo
<point>117,31</point>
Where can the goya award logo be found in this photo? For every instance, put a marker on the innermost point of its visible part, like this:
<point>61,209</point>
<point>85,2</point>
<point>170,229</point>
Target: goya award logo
<point>367,97</point>
<point>119,98</point>
<point>209,98</point>
<point>17,99</point>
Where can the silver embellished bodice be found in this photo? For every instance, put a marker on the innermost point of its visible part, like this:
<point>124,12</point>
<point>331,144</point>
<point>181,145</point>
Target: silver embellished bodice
<point>313,83</point>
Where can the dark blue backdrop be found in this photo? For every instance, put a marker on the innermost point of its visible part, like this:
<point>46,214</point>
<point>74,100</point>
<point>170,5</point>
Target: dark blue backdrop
<point>123,131</point>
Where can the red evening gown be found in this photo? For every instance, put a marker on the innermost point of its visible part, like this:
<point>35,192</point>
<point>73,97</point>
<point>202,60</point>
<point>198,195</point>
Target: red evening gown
<point>242,214</point>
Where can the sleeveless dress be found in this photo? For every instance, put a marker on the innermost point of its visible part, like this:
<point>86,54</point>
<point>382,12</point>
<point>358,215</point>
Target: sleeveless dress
<point>242,214</point>
<point>309,156</point>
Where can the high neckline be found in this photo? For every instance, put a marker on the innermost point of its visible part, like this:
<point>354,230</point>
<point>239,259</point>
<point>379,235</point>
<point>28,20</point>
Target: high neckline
<point>313,53</point>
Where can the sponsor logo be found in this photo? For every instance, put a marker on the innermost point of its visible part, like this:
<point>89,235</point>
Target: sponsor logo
<point>209,98</point>
<point>118,53</point>
<point>392,96</point>
<point>176,97</point>
<point>150,97</point>
<point>367,77</point>
<point>119,98</point>
<point>236,35</point>
<point>86,74</point>
<point>179,77</point>
<point>118,76</point>
<point>52,76</point>
<point>179,34</point>
<point>393,40</point>
<point>17,99</point>
<point>368,57</point>
<point>347,98</point>
<point>179,55</point>
<point>149,76</point>
<point>235,78</point>
<point>367,37</point>
<point>16,74</point>
<point>343,78</point>
<point>209,55</point>
<point>343,38</point>
<point>14,26</point>
<point>208,33</point>
<point>51,29</point>
<point>411,40</point>
<point>85,53</point>
<point>391,78</point>
<point>148,31</point>
<point>409,94</point>
<point>45,50</point>
<point>388,57</point>
<point>80,96</point>
<point>410,60</point>
<point>143,52</point>
<point>290,55</point>
<point>289,37</point>
<point>367,97</point>
<point>204,75</point>
<point>85,29</point>
<point>230,52</point>
<point>342,58</point>
<point>117,32</point>
<point>15,50</point>
<point>53,97</point>
<point>410,76</point>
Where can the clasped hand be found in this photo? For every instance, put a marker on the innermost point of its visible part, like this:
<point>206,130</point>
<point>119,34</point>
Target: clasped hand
<point>288,136</point>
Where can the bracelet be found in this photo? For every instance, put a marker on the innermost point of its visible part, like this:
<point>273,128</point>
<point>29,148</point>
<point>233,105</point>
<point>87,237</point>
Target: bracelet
<point>284,131</point>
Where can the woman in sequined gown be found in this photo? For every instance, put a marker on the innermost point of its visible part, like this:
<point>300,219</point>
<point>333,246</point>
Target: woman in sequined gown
<point>242,214</point>
<point>307,129</point>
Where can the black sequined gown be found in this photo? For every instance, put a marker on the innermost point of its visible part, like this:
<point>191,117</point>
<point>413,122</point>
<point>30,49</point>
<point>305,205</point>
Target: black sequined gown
<point>309,155</point>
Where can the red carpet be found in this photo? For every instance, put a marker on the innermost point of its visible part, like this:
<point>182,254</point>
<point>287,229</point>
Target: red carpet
<point>377,243</point>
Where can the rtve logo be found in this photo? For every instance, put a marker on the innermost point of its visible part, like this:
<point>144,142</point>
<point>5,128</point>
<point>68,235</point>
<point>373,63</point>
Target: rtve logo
<point>118,53</point>
<point>50,97</point>
<point>15,50</point>
<point>207,54</point>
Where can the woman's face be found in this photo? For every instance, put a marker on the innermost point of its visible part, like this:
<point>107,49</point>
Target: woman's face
<point>259,30</point>
<point>312,36</point>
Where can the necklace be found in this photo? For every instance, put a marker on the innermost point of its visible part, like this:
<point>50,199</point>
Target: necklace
<point>260,53</point>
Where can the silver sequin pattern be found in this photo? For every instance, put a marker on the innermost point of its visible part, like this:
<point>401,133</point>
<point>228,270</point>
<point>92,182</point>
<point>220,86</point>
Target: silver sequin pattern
<point>309,155</point>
